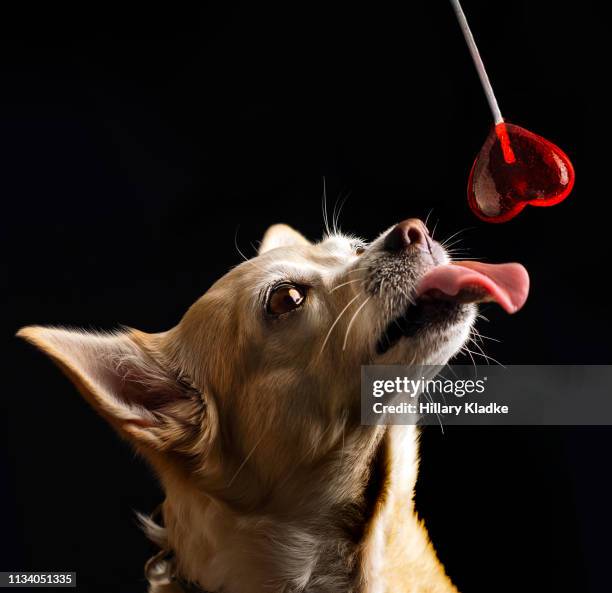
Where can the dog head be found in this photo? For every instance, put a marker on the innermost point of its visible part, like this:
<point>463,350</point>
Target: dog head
<point>261,376</point>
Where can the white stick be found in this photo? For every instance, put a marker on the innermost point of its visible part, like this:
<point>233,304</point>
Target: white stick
<point>482,73</point>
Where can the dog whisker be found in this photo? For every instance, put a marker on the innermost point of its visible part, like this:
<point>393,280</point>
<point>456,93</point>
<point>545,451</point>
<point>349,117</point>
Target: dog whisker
<point>336,321</point>
<point>485,356</point>
<point>482,336</point>
<point>336,215</point>
<point>344,284</point>
<point>427,217</point>
<point>324,207</point>
<point>455,249</point>
<point>449,245</point>
<point>244,257</point>
<point>244,462</point>
<point>433,232</point>
<point>480,350</point>
<point>474,335</point>
<point>410,300</point>
<point>357,270</point>
<point>445,242</point>
<point>470,353</point>
<point>350,325</point>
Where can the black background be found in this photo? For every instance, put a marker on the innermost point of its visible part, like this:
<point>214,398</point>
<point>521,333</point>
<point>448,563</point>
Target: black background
<point>139,143</point>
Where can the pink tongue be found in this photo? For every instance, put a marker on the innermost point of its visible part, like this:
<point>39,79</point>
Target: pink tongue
<point>506,284</point>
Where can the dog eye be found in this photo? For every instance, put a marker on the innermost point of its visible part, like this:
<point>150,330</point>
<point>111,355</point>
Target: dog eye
<point>358,247</point>
<point>285,298</point>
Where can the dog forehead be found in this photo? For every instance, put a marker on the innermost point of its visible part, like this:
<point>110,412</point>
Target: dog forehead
<point>296,263</point>
<point>301,260</point>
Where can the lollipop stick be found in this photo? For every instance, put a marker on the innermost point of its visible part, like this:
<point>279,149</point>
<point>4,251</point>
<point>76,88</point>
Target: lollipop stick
<point>482,73</point>
<point>486,83</point>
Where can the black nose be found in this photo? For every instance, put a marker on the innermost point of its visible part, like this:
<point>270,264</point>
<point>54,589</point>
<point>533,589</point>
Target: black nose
<point>411,232</point>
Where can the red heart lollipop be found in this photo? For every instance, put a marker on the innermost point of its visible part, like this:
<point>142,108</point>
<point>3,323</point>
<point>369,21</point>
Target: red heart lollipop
<point>516,167</point>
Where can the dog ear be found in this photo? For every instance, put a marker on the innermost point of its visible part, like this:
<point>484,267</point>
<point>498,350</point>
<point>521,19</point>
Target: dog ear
<point>122,377</point>
<point>281,235</point>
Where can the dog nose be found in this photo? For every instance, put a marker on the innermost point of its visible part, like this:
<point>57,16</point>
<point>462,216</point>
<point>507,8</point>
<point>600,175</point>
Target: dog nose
<point>408,233</point>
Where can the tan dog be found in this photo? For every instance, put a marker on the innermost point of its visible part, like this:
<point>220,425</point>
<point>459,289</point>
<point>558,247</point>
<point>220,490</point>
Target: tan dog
<point>249,411</point>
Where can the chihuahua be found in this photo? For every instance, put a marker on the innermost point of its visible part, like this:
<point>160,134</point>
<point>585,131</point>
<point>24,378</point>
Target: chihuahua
<point>249,412</point>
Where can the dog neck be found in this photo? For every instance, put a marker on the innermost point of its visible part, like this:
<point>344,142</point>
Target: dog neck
<point>370,544</point>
